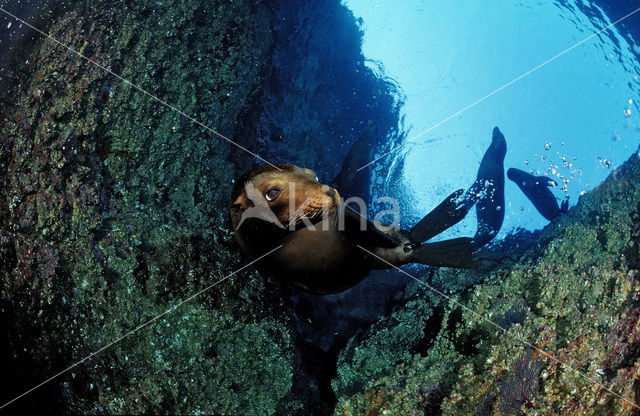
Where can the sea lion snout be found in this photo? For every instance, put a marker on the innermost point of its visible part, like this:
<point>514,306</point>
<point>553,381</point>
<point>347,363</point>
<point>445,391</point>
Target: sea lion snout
<point>333,194</point>
<point>310,200</point>
<point>287,197</point>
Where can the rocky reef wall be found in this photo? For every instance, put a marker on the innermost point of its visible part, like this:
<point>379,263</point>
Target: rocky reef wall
<point>322,93</point>
<point>114,210</point>
<point>544,333</point>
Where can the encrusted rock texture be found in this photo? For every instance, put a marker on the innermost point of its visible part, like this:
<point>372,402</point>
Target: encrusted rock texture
<point>114,210</point>
<point>553,332</point>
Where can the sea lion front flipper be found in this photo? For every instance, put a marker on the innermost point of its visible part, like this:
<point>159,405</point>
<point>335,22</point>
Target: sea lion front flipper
<point>448,213</point>
<point>362,231</point>
<point>457,252</point>
<point>354,178</point>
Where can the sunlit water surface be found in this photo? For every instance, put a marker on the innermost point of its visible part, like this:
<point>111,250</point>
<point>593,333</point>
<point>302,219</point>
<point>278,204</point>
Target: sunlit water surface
<point>575,118</point>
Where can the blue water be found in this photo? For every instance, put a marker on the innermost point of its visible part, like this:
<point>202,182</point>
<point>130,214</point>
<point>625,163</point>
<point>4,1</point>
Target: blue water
<point>574,119</point>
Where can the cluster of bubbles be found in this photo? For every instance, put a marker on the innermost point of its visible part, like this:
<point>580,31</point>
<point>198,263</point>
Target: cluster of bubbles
<point>628,117</point>
<point>487,191</point>
<point>560,167</point>
<point>627,111</point>
<point>604,162</point>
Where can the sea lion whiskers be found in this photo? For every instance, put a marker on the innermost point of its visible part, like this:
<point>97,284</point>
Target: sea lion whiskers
<point>316,203</point>
<point>308,212</point>
<point>297,217</point>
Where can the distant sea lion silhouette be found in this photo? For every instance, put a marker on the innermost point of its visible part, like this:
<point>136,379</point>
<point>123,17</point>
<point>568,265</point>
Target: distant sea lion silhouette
<point>320,235</point>
<point>488,190</point>
<point>536,188</point>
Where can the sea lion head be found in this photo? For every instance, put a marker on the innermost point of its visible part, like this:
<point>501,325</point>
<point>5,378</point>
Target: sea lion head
<point>283,194</point>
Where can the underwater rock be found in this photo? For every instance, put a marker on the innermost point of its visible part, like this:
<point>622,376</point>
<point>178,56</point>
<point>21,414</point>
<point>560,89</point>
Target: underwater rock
<point>574,294</point>
<point>109,217</point>
<point>111,204</point>
<point>321,96</point>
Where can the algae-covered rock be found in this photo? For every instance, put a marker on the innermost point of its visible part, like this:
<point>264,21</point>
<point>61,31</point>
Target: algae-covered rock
<point>114,201</point>
<point>114,212</point>
<point>555,333</point>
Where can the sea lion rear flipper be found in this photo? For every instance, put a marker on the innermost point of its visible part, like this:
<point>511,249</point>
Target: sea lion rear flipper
<point>363,231</point>
<point>448,213</point>
<point>457,252</point>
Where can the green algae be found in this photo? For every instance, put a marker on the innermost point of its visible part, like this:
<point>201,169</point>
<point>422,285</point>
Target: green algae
<point>381,348</point>
<point>112,215</point>
<point>568,309</point>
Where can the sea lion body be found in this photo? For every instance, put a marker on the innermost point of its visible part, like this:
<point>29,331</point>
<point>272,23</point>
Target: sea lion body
<point>312,253</point>
<point>323,246</point>
<point>319,261</point>
<point>488,190</point>
<point>536,188</point>
<point>317,243</point>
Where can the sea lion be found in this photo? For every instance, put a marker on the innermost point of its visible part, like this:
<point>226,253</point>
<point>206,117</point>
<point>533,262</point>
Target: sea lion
<point>487,192</point>
<point>536,188</point>
<point>323,246</point>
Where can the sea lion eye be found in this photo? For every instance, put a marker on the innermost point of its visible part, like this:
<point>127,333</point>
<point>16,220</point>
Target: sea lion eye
<point>272,194</point>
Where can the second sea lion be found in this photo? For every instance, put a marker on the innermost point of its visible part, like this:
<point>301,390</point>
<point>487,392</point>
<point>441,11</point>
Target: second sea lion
<point>536,188</point>
<point>488,190</point>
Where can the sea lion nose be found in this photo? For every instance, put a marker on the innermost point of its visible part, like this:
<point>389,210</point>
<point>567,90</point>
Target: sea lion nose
<point>333,194</point>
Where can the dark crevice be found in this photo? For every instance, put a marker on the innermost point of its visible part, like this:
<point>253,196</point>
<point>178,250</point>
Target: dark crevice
<point>431,329</point>
<point>323,366</point>
<point>342,97</point>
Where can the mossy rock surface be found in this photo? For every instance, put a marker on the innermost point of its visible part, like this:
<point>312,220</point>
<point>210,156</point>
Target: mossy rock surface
<point>114,211</point>
<point>568,310</point>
